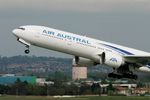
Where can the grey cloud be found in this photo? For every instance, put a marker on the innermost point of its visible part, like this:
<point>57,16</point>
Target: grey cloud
<point>124,22</point>
<point>78,5</point>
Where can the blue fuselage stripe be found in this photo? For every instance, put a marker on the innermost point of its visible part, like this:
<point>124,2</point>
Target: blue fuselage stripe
<point>118,49</point>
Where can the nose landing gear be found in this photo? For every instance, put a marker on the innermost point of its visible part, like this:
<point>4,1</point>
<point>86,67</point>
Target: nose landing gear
<point>27,51</point>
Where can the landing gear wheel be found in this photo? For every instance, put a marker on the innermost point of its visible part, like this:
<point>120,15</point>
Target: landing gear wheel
<point>27,51</point>
<point>113,75</point>
<point>135,77</point>
<point>130,76</point>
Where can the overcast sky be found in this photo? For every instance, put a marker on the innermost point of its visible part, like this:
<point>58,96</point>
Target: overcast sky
<point>125,22</point>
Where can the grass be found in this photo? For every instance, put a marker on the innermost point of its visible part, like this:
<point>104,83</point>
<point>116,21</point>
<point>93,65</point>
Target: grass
<point>73,98</point>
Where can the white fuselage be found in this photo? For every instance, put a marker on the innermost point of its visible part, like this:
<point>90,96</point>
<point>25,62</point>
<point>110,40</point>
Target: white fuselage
<point>70,43</point>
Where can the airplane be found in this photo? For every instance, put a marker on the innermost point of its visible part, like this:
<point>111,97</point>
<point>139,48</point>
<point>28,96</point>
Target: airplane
<point>86,51</point>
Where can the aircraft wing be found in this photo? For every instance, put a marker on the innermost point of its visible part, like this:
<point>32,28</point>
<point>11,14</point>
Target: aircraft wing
<point>139,59</point>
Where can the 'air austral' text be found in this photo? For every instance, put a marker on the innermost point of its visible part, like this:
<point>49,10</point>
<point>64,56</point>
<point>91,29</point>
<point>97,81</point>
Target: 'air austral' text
<point>66,36</point>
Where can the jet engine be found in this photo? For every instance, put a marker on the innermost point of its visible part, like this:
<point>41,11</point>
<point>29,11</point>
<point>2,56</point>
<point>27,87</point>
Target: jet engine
<point>111,59</point>
<point>144,69</point>
<point>80,61</point>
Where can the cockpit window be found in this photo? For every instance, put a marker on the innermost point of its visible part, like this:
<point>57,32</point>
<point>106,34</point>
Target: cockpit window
<point>21,28</point>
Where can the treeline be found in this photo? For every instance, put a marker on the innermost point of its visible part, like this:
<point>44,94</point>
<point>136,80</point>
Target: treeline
<point>30,59</point>
<point>61,86</point>
<point>23,88</point>
<point>27,65</point>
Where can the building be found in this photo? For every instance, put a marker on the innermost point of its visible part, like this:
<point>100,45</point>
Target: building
<point>125,89</point>
<point>79,73</point>
<point>42,82</point>
<point>10,79</point>
<point>142,90</point>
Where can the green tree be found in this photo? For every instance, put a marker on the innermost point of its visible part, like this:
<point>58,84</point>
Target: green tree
<point>71,89</point>
<point>85,89</point>
<point>4,89</point>
<point>96,89</point>
<point>110,89</point>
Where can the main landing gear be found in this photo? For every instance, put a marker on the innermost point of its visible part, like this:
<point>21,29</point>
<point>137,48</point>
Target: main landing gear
<point>124,75</point>
<point>123,72</point>
<point>27,51</point>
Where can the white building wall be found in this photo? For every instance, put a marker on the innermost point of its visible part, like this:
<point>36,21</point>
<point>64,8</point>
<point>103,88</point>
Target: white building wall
<point>79,73</point>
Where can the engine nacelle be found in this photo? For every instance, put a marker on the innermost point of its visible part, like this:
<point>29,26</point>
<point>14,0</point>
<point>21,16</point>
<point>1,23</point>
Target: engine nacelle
<point>144,69</point>
<point>113,60</point>
<point>80,61</point>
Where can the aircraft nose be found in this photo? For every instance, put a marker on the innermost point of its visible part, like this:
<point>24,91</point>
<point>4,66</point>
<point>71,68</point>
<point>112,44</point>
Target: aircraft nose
<point>15,32</point>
